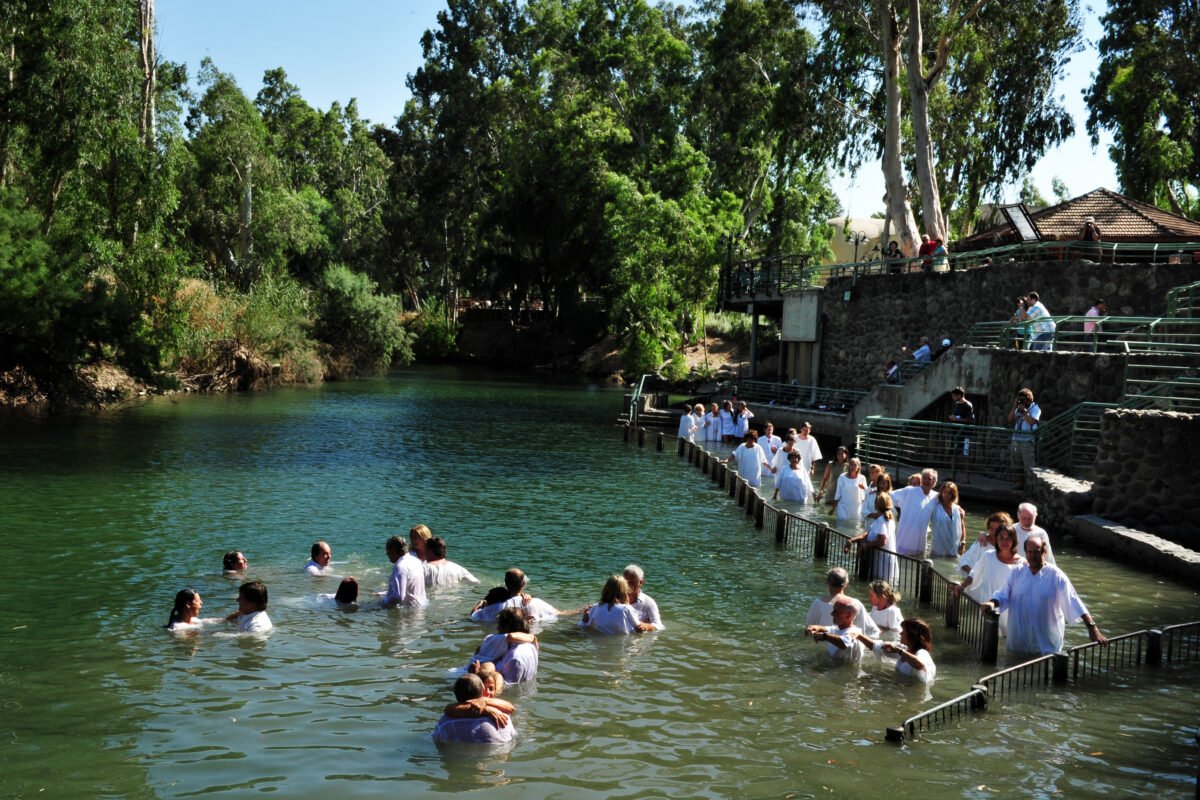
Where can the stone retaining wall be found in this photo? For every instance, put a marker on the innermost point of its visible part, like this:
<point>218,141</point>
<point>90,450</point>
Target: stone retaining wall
<point>887,311</point>
<point>1146,473</point>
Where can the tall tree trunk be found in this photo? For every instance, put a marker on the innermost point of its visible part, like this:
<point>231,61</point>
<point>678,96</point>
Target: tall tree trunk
<point>918,91</point>
<point>899,209</point>
<point>148,126</point>
<point>6,120</point>
<point>245,217</point>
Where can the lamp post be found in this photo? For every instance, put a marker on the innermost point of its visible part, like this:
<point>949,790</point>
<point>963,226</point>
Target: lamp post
<point>858,237</point>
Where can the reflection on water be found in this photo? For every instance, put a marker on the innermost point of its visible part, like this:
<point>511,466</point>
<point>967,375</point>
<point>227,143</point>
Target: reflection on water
<point>108,518</point>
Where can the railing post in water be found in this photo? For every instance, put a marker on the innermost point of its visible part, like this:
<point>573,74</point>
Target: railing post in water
<point>821,543</point>
<point>751,500</point>
<point>989,646</point>
<point>660,442</point>
<point>895,733</point>
<point>863,557</point>
<point>742,488</point>
<point>1154,649</point>
<point>626,431</point>
<point>980,699</point>
<point>734,478</point>
<point>641,437</point>
<point>925,592</point>
<point>706,464</point>
<point>720,475</point>
<point>781,526</point>
<point>760,509</point>
<point>680,448</point>
<point>952,604</point>
<point>1060,662</point>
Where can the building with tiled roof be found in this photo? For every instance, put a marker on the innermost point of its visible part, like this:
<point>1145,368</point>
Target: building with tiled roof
<point>1119,219</point>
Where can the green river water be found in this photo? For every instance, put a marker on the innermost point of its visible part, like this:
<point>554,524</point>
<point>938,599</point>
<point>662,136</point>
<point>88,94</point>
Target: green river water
<point>106,518</point>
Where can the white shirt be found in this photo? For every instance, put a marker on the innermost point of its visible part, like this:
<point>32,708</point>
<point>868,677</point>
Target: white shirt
<point>256,622</point>
<point>810,452</point>
<point>888,619</point>
<point>749,461</point>
<point>1043,323</point>
<point>852,653</point>
<point>916,509</point>
<point>519,664</point>
<point>922,675</point>
<point>1039,607</point>
<point>849,496</point>
<point>535,610</point>
<point>446,573</point>
<point>793,484</point>
<point>406,587</point>
<point>313,568</point>
<point>821,613</point>
<point>1024,533</point>
<point>687,426</point>
<point>647,611</point>
<point>472,730</point>
<point>620,618</point>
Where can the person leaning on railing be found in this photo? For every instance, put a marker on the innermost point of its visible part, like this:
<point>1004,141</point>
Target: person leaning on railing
<point>1040,600</point>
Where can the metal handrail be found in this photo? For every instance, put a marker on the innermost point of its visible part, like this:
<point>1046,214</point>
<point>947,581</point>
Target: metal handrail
<point>904,445</point>
<point>1184,301</point>
<point>820,398</point>
<point>638,390</point>
<point>1111,334</point>
<point>775,275</point>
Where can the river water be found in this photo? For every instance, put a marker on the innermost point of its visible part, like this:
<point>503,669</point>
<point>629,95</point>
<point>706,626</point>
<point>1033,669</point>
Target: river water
<point>106,518</point>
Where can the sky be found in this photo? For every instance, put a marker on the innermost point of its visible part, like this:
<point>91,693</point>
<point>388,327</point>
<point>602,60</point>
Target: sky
<point>365,49</point>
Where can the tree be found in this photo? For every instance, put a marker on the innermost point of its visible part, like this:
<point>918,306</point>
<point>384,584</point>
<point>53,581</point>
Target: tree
<point>1146,92</point>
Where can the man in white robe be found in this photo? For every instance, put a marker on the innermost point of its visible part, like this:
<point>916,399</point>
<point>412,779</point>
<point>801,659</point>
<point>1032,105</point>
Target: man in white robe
<point>916,504</point>
<point>643,604</point>
<point>1027,526</point>
<point>810,451</point>
<point>1040,600</point>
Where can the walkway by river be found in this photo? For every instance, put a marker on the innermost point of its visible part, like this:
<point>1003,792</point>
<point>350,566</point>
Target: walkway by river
<point>106,518</point>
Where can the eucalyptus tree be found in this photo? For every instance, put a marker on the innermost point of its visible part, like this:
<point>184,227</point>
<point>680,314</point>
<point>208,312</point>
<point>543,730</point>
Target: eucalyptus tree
<point>760,117</point>
<point>1146,92</point>
<point>980,78</point>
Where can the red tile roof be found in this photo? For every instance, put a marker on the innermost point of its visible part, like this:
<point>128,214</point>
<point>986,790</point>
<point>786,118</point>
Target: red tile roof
<point>1119,218</point>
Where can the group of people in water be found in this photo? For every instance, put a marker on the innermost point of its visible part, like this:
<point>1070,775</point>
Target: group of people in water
<point>419,563</point>
<point>1010,568</point>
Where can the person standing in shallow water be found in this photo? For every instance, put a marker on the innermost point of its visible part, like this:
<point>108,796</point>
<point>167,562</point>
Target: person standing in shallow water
<point>1040,601</point>
<point>406,586</point>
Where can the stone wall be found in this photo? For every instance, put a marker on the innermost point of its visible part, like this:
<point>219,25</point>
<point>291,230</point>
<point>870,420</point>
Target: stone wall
<point>887,311</point>
<point>1057,380</point>
<point>1146,473</point>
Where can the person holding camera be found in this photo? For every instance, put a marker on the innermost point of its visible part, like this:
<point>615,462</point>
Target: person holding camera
<point>1024,417</point>
<point>1040,330</point>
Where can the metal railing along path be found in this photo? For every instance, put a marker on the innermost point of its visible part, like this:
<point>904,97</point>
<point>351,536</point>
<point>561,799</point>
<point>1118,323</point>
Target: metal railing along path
<point>1116,659</point>
<point>775,275</point>
<point>790,395</point>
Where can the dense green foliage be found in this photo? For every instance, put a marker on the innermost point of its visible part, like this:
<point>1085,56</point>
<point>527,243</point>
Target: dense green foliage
<point>592,158</point>
<point>1147,94</point>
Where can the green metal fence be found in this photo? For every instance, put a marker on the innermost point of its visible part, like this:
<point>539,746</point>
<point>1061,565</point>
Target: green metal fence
<point>820,398</point>
<point>904,446</point>
<point>1159,335</point>
<point>1184,301</point>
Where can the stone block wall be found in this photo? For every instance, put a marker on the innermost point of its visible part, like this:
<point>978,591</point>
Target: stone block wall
<point>1146,473</point>
<point>887,311</point>
<point>1057,380</point>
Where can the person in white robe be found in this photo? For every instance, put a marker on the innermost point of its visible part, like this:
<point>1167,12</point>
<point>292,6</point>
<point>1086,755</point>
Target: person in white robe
<point>1040,600</point>
<point>475,718</point>
<point>792,483</point>
<point>851,487</point>
<point>916,504</point>
<point>991,571</point>
<point>440,571</point>
<point>643,604</point>
<point>687,424</point>
<point>913,657</point>
<point>1027,526</point>
<point>842,636</point>
<point>749,459</point>
<point>821,610</point>
<point>613,614</point>
<point>810,451</point>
